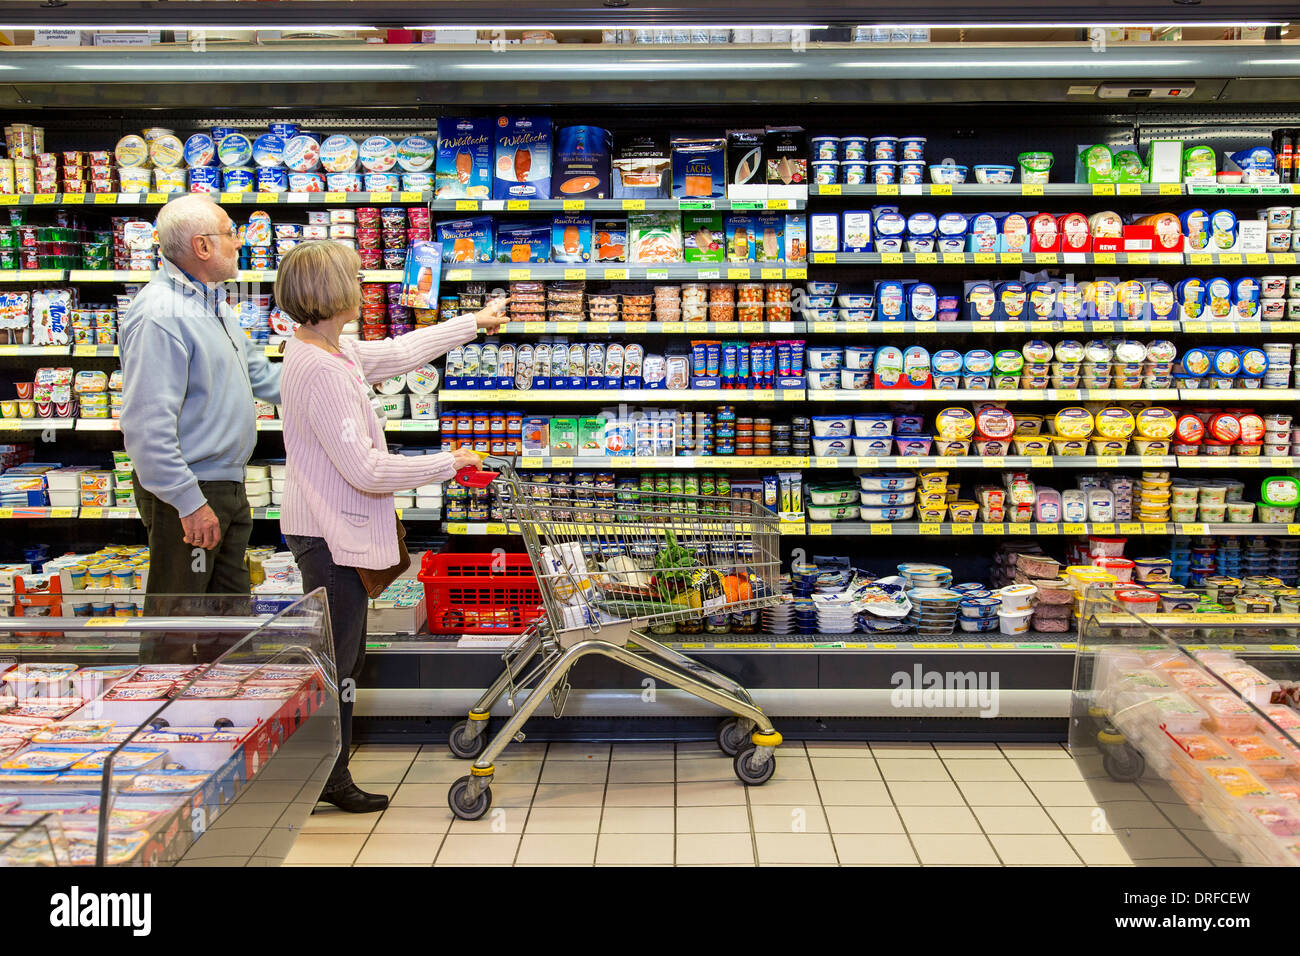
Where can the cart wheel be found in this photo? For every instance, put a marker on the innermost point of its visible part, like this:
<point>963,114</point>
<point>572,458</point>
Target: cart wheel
<point>462,745</point>
<point>731,737</point>
<point>1123,764</point>
<point>750,776</point>
<point>462,806</point>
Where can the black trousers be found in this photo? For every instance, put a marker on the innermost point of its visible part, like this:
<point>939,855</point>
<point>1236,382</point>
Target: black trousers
<point>348,604</point>
<point>185,581</point>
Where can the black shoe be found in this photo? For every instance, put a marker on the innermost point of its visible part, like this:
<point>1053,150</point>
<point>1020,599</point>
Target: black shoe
<point>353,799</point>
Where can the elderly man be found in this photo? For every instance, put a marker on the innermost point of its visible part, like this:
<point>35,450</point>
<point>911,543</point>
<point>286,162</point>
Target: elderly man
<point>187,409</point>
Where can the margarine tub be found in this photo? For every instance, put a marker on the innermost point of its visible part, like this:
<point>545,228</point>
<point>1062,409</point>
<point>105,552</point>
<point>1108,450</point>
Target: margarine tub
<point>1155,422</point>
<point>1073,422</point>
<point>954,423</point>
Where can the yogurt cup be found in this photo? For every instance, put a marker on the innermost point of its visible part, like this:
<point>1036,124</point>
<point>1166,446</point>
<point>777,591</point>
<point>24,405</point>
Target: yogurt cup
<point>827,148</point>
<point>826,172</point>
<point>855,174</point>
<point>883,172</point>
<point>948,174</point>
<point>854,149</point>
<point>911,149</point>
<point>884,148</point>
<point>1014,623</point>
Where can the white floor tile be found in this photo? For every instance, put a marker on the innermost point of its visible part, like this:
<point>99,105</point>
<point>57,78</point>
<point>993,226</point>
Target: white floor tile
<point>892,748</point>
<point>1099,849</point>
<point>641,849</point>
<point>498,820</point>
<point>398,849</point>
<point>385,752</point>
<point>642,771</point>
<point>569,795</point>
<point>1034,850</point>
<point>708,794</point>
<point>574,771</point>
<point>557,849</point>
<point>874,849</point>
<point>863,820</point>
<point>936,794</point>
<point>642,794</point>
<point>414,820</point>
<point>912,770</point>
<point>776,792</point>
<point>563,820</point>
<point>1085,821</point>
<point>466,849</point>
<point>714,848</point>
<point>947,849</point>
<point>325,849</point>
<point>969,751</point>
<point>1046,771</point>
<point>698,748</point>
<point>328,819</point>
<point>788,819</point>
<point>441,771</point>
<point>1035,751</point>
<point>732,819</point>
<point>984,771</point>
<point>634,820</point>
<point>854,793</point>
<point>1019,820</point>
<point>644,751</point>
<point>578,751</point>
<point>795,848</point>
<point>939,820</point>
<point>997,794</point>
<point>845,768</point>
<point>1156,844</point>
<point>838,748</point>
<point>698,769</point>
<point>423,795</point>
<point>380,771</point>
<point>1063,794</point>
<point>1126,814</point>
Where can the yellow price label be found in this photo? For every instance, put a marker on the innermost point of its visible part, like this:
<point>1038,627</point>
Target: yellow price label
<point>1012,257</point>
<point>63,512</point>
<point>771,274</point>
<point>562,462</point>
<point>85,351</point>
<point>831,189</point>
<point>1129,189</point>
<point>1047,528</point>
<point>336,197</point>
<point>47,199</point>
<point>985,258</point>
<point>1104,258</point>
<point>1071,527</point>
<point>778,204</point>
<point>747,326</point>
<point>574,205</point>
<point>575,273</point>
<point>882,529</point>
<point>458,275</point>
<point>466,205</point>
<point>992,528</point>
<point>1103,326</point>
<point>1105,528</point>
<point>457,527</point>
<point>74,198</point>
<point>827,462</point>
<point>927,258</point>
<point>268,197</point>
<point>925,528</point>
<point>530,462</point>
<point>1223,327</point>
<point>568,326</point>
<point>820,327</point>
<point>1139,258</point>
<point>941,189</point>
<point>1281,461</point>
<point>634,205</point>
<point>534,326</point>
<point>925,327</point>
<point>954,258</point>
<point>1046,258</point>
<point>1130,527</point>
<point>891,258</point>
<point>993,461</point>
<point>1103,189</point>
<point>1257,258</point>
<point>823,258</point>
<point>1171,189</point>
<point>1019,527</point>
<point>887,189</point>
<point>868,461</point>
<point>410,196</point>
<point>1041,461</point>
<point>232,197</point>
<point>1031,189</point>
<point>1200,258</point>
<point>615,273</point>
<point>107,621</point>
<point>517,205</point>
<point>105,199</point>
<point>1196,326</point>
<point>737,273</point>
<point>1156,527</point>
<point>494,527</point>
<point>673,326</point>
<point>381,197</point>
<point>6,512</point>
<point>516,274</point>
<point>1284,258</point>
<point>819,530</point>
<point>800,272</point>
<point>92,512</point>
<point>1230,259</point>
<point>963,528</point>
<point>788,395</point>
<point>596,326</point>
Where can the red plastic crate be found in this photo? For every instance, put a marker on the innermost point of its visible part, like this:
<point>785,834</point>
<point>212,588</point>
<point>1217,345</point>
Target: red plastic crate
<point>458,588</point>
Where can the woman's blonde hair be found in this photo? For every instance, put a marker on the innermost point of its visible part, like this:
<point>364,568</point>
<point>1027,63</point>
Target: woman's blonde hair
<point>318,280</point>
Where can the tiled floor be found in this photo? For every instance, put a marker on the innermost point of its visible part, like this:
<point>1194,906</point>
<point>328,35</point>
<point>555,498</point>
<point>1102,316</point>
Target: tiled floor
<point>663,804</point>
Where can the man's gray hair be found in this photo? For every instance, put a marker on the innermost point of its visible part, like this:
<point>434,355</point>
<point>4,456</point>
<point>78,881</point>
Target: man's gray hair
<point>181,220</point>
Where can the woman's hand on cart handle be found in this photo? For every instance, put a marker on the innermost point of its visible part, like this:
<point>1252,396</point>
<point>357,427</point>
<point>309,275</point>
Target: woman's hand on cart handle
<point>492,315</point>
<point>466,458</point>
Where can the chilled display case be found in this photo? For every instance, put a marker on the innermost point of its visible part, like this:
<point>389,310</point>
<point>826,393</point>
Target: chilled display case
<point>201,734</point>
<point>1185,728</point>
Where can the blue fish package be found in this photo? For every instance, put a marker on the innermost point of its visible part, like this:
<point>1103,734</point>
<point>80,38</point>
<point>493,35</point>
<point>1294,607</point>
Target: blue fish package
<point>467,240</point>
<point>571,239</point>
<point>699,167</point>
<point>523,158</point>
<point>581,163</point>
<point>528,241</point>
<point>464,164</point>
<point>422,275</point>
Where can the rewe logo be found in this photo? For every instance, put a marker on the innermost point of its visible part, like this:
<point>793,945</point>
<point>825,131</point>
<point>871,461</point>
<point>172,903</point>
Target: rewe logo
<point>74,909</point>
<point>936,689</point>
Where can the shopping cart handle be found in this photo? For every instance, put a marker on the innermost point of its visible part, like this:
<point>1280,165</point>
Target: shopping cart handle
<point>471,477</point>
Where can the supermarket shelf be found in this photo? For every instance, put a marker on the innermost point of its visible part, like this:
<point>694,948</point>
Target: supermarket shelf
<point>609,205</point>
<point>109,275</point>
<point>679,462</point>
<point>41,350</point>
<point>614,528</point>
<point>996,258</point>
<point>903,642</point>
<point>92,514</point>
<point>406,514</point>
<point>895,396</point>
<point>664,328</point>
<point>395,425</point>
<point>461,396</point>
<point>31,275</point>
<point>1235,461</point>
<point>1216,190</point>
<point>270,425</point>
<point>35,424</point>
<point>98,425</point>
<point>1244,328</point>
<point>1007,190</point>
<point>1058,325</point>
<point>994,461</point>
<point>915,529</point>
<point>1241,258</point>
<point>25,514</point>
<point>691,270</point>
<point>1217,396</point>
<point>401,196</point>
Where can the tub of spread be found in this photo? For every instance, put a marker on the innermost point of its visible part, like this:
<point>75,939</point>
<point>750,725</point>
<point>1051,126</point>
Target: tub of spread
<point>872,447</point>
<point>994,174</point>
<point>948,174</point>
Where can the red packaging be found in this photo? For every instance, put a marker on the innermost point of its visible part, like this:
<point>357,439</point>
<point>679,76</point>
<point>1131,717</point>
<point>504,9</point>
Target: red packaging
<point>102,186</point>
<point>1044,233</point>
<point>367,238</point>
<point>1139,239</point>
<point>44,409</point>
<point>1225,428</point>
<point>374,312</point>
<point>367,216</point>
<point>28,259</point>
<point>1252,429</point>
<point>370,258</point>
<point>372,293</point>
<point>65,409</point>
<point>1075,234</point>
<point>374,333</point>
<point>418,216</point>
<point>1190,431</point>
<point>27,237</point>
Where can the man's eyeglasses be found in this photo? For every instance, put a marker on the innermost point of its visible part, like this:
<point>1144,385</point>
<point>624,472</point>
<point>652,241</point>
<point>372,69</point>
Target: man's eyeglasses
<point>233,232</point>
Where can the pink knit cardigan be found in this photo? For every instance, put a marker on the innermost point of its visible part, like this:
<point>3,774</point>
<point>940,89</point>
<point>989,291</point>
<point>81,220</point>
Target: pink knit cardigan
<point>339,476</point>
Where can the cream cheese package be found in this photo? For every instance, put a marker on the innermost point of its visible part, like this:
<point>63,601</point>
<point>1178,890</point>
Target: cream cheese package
<point>377,154</point>
<point>339,154</point>
<point>415,154</point>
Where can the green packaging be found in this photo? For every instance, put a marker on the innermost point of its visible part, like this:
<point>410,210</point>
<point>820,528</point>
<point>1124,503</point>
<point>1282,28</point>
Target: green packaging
<point>703,239</point>
<point>1096,165</point>
<point>1199,163</point>
<point>591,436</point>
<point>564,436</point>
<point>1129,167</point>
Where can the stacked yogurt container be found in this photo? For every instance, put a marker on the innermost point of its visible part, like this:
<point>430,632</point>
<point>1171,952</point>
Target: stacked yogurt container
<point>868,160</point>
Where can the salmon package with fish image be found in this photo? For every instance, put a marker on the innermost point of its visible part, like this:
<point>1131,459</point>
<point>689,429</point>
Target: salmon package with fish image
<point>528,241</point>
<point>655,237</point>
<point>466,240</point>
<point>641,168</point>
<point>741,246</point>
<point>746,171</point>
<point>571,239</point>
<point>581,163</point>
<point>422,275</point>
<point>769,236</point>
<point>609,240</point>
<point>699,167</point>
<point>703,237</point>
<point>523,158</point>
<point>464,162</point>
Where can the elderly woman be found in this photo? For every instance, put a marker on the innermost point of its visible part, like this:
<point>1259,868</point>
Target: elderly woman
<point>338,510</point>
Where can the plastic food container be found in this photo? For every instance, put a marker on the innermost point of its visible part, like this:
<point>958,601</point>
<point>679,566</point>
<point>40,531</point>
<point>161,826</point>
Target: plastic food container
<point>913,445</point>
<point>1275,514</point>
<point>834,513</point>
<point>944,174</point>
<point>1014,623</point>
<point>873,426</point>
<point>878,499</point>
<point>1018,598</point>
<point>872,447</point>
<point>831,426</point>
<point>994,175</point>
<point>1153,570</point>
<point>1035,168</point>
<point>886,513</point>
<point>888,481</point>
<point>831,447</point>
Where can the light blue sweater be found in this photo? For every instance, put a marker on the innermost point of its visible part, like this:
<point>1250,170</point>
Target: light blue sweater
<point>189,377</point>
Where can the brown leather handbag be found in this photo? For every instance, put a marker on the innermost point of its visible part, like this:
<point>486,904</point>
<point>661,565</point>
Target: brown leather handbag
<point>376,581</point>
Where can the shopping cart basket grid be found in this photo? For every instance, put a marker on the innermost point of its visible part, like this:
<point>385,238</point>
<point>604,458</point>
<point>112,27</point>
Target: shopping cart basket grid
<point>606,577</point>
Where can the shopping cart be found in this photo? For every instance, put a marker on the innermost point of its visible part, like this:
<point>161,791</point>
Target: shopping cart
<point>609,571</point>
